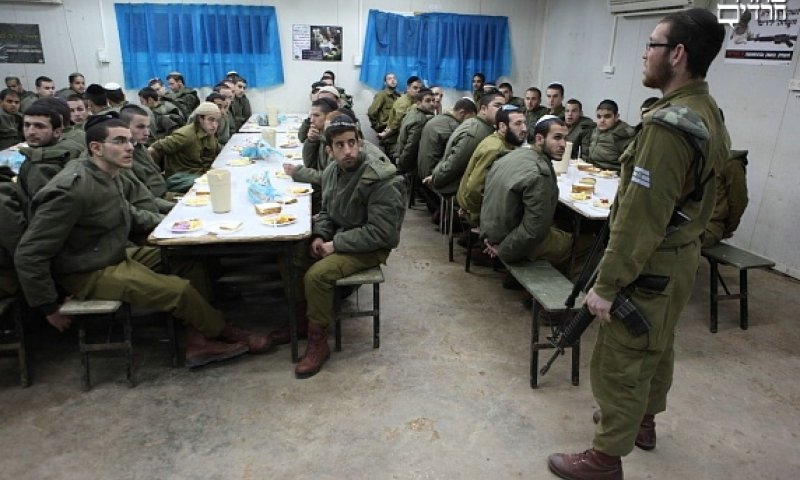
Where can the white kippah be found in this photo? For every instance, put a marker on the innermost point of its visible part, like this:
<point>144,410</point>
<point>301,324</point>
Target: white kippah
<point>112,86</point>
<point>546,118</point>
<point>207,108</point>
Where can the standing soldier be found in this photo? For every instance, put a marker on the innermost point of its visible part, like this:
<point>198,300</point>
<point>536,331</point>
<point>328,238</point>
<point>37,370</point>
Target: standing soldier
<point>381,107</point>
<point>664,201</point>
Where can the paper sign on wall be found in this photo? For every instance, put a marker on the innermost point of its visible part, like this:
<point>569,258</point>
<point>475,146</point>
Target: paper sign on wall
<point>317,42</point>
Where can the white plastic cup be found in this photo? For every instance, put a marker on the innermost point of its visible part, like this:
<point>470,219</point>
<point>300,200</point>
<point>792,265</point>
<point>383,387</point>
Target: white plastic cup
<point>272,115</point>
<point>219,185</point>
<point>269,135</point>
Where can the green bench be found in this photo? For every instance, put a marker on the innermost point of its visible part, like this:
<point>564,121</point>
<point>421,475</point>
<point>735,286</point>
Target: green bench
<point>726,254</point>
<point>371,276</point>
<point>549,289</point>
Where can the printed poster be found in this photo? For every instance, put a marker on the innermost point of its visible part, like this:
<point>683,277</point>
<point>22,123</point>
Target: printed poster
<point>760,32</point>
<point>20,43</point>
<point>317,42</point>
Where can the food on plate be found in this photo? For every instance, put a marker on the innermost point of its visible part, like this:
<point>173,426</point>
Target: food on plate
<point>230,226</point>
<point>281,174</point>
<point>288,200</point>
<point>196,201</point>
<point>587,181</point>
<point>580,196</point>
<point>604,203</point>
<point>584,166</point>
<point>282,219</point>
<point>290,155</point>
<point>289,145</point>
<point>582,188</point>
<point>270,208</point>
<point>300,190</point>
<point>187,225</point>
<point>240,162</point>
<point>594,169</point>
<point>607,173</point>
<point>202,179</point>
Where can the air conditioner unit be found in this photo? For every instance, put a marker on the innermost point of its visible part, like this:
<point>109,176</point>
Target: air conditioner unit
<point>28,2</point>
<point>633,8</point>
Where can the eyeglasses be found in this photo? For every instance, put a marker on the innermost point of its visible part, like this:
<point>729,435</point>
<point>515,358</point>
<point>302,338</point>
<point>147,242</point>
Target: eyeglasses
<point>649,45</point>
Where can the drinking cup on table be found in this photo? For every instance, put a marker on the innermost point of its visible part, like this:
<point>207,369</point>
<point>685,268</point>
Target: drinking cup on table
<point>219,184</point>
<point>272,115</point>
<point>270,136</point>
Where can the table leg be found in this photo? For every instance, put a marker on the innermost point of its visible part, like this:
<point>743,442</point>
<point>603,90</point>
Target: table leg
<point>288,256</point>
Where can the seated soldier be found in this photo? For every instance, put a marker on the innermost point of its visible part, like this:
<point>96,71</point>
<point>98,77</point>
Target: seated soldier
<point>45,87</point>
<point>76,239</point>
<point>77,110</point>
<point>12,218</point>
<point>438,95</point>
<point>77,85</point>
<point>534,110</point>
<point>167,117</point>
<point>381,107</point>
<point>97,100</point>
<point>520,200</point>
<point>610,137</point>
<point>446,177</point>
<point>731,199</point>
<point>407,147</point>
<point>330,79</point>
<point>115,96</point>
<point>10,119</point>
<point>190,150</point>
<point>511,133</point>
<point>478,82</point>
<point>72,136</point>
<point>555,95</point>
<point>44,157</point>
<point>646,104</point>
<point>580,127</point>
<point>144,168</point>
<point>240,107</point>
<point>14,83</point>
<point>227,124</point>
<point>184,98</point>
<point>302,132</point>
<point>362,211</point>
<point>224,129</point>
<point>508,92</point>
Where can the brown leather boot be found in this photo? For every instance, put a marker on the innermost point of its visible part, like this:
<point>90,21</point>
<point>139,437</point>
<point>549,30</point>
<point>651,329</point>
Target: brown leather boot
<point>202,351</point>
<point>281,336</point>
<point>646,438</point>
<point>589,465</point>
<point>317,352</point>
<point>256,342</point>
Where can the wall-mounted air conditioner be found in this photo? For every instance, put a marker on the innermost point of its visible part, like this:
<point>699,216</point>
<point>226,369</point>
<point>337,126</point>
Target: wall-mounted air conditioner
<point>28,2</point>
<point>630,8</point>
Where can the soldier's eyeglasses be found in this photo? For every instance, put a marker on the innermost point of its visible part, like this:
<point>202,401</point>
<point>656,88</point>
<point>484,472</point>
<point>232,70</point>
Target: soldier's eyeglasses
<point>649,45</point>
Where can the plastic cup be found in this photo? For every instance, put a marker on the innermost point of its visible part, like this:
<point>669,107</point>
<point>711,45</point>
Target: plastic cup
<point>219,185</point>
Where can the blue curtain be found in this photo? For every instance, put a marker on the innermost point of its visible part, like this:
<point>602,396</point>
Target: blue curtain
<point>441,48</point>
<point>201,41</point>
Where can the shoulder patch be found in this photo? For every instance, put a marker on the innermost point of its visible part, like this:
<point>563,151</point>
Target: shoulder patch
<point>641,177</point>
<point>681,119</point>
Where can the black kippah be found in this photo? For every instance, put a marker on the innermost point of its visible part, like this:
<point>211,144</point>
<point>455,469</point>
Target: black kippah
<point>98,119</point>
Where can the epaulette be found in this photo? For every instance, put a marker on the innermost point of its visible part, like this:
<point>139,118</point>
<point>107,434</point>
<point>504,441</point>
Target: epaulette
<point>681,119</point>
<point>377,171</point>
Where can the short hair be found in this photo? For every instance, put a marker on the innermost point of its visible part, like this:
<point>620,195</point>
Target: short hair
<point>466,105</point>
<point>328,73</point>
<point>543,126</point>
<point>153,81</point>
<point>556,86</point>
<point>214,96</point>
<point>58,105</point>
<point>420,96</point>
<point>220,86</point>
<point>479,75</point>
<point>97,126</point>
<point>507,85</point>
<point>574,101</point>
<point>609,105</point>
<point>387,75</point>
<point>75,97</point>
<point>412,79</point>
<point>326,105</point>
<point>504,114</point>
<point>96,94</point>
<point>116,96</point>
<point>488,98</point>
<point>648,102</point>
<point>42,109</point>
<point>148,93</point>
<point>127,113</point>
<point>240,78</point>
<point>177,76</point>
<point>340,124</point>
<point>534,89</point>
<point>11,77</point>
<point>74,76</point>
<point>8,92</point>
<point>701,34</point>
<point>42,79</point>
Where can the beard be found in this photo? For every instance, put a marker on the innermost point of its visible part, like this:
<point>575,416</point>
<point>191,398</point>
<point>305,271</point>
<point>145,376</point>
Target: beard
<point>513,139</point>
<point>660,75</point>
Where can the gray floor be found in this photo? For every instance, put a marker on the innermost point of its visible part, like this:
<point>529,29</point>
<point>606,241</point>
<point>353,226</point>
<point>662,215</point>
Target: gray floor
<point>446,396</point>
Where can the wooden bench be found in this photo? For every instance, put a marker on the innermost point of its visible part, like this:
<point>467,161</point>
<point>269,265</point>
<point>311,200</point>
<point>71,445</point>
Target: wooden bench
<point>549,289</point>
<point>726,254</point>
<point>12,308</point>
<point>371,276</point>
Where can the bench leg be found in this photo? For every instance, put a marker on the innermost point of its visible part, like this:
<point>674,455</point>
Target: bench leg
<point>376,318</point>
<point>468,261</point>
<point>450,220</point>
<point>22,353</point>
<point>714,294</point>
<point>743,314</point>
<point>535,345</point>
<point>85,381</point>
<point>337,322</point>
<point>576,357</point>
<point>127,331</point>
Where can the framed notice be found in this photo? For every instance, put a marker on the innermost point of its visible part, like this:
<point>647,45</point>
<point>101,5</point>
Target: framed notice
<point>317,42</point>
<point>760,32</point>
<point>20,43</point>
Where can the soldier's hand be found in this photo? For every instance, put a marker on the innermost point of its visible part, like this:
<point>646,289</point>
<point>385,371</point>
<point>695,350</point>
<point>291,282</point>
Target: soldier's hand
<point>315,249</point>
<point>61,322</point>
<point>327,249</point>
<point>313,133</point>
<point>598,306</point>
<point>489,248</point>
<point>289,168</point>
<point>427,180</point>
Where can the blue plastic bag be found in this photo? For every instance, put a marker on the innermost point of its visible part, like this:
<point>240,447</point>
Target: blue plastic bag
<point>260,189</point>
<point>262,149</point>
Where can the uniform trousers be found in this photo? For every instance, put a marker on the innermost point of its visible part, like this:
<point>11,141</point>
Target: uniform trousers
<point>8,283</point>
<point>321,277</point>
<point>631,376</point>
<point>136,280</point>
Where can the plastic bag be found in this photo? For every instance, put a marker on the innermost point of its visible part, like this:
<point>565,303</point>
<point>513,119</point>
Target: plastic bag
<point>260,189</point>
<point>262,149</point>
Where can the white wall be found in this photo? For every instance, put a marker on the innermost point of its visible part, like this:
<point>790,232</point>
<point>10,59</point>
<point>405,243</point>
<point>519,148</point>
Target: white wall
<point>762,115</point>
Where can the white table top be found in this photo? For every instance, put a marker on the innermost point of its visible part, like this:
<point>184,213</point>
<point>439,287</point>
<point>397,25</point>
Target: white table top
<point>290,125</point>
<point>253,230</point>
<point>604,188</point>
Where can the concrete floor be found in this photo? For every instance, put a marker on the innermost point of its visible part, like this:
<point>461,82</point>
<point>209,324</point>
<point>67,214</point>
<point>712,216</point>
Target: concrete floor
<point>446,396</point>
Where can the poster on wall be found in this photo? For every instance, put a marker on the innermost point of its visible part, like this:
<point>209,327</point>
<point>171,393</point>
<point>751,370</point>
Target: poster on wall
<point>20,43</point>
<point>760,32</point>
<point>317,42</point>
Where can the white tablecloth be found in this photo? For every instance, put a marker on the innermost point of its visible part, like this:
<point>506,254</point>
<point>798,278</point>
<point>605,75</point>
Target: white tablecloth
<point>604,188</point>
<point>290,124</point>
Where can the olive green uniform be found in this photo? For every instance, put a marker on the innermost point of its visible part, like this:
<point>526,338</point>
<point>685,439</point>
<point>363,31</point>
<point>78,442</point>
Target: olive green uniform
<point>470,190</point>
<point>189,149</point>
<point>632,375</point>
<point>606,146</point>
<point>73,139</point>
<point>518,207</point>
<point>381,108</point>
<point>517,102</point>
<point>12,218</point>
<point>433,140</point>
<point>315,160</point>
<point>580,134</point>
<point>399,109</point>
<point>148,173</point>
<point>26,100</point>
<point>407,148</point>
<point>731,199</point>
<point>302,131</point>
<point>167,117</point>
<point>557,111</point>
<point>533,116</point>
<point>40,165</point>
<point>240,107</point>
<point>225,128</point>
<point>77,238</point>
<point>362,212</point>
<point>462,143</point>
<point>185,99</point>
<point>67,92</point>
<point>10,129</point>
